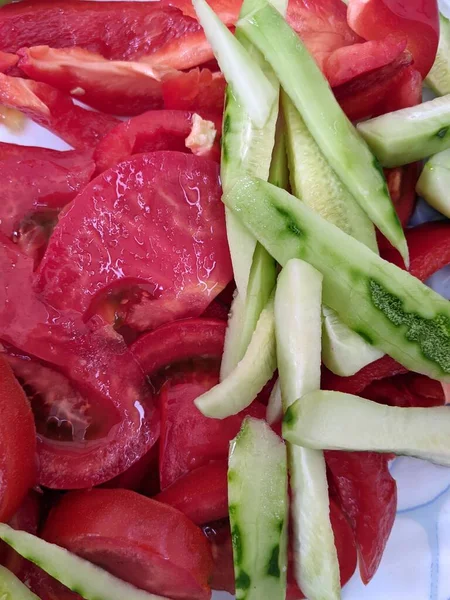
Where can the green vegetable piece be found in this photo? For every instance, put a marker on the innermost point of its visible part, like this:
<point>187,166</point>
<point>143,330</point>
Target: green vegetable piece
<point>258,502</point>
<point>298,327</point>
<point>388,307</point>
<point>438,78</point>
<point>337,421</point>
<point>342,146</point>
<point>79,575</point>
<point>279,172</point>
<point>12,588</point>
<point>434,182</point>
<point>410,134</point>
<point>274,411</point>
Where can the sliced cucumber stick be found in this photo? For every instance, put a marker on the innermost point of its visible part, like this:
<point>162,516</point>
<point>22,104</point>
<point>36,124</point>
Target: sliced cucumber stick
<point>79,575</point>
<point>279,172</point>
<point>258,505</point>
<point>438,78</point>
<point>434,182</point>
<point>274,411</point>
<point>337,421</point>
<point>12,588</point>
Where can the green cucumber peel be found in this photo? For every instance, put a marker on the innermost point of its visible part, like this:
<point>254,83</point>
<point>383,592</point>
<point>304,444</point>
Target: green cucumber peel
<point>79,575</point>
<point>434,182</point>
<point>298,325</point>
<point>258,507</point>
<point>345,150</point>
<point>438,78</point>
<point>12,588</point>
<point>390,308</point>
<point>338,421</point>
<point>411,134</point>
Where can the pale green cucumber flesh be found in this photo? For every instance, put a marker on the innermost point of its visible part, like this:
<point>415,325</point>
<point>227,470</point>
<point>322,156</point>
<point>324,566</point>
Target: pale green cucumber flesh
<point>438,78</point>
<point>258,507</point>
<point>434,182</point>
<point>410,134</point>
<point>12,588</point>
<point>338,421</point>
<point>384,304</point>
<point>79,575</point>
<point>317,185</point>
<point>231,352</point>
<point>274,412</point>
<point>279,172</point>
<point>243,384</point>
<point>342,146</point>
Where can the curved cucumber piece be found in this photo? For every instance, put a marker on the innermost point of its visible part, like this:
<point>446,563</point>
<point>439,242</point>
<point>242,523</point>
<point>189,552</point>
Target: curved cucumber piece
<point>279,172</point>
<point>244,383</point>
<point>434,182</point>
<point>12,588</point>
<point>387,306</point>
<point>438,78</point>
<point>338,421</point>
<point>232,347</point>
<point>274,411</point>
<point>298,327</point>
<point>342,146</point>
<point>258,506</point>
<point>317,185</point>
<point>344,352</point>
<point>79,575</point>
<point>411,134</point>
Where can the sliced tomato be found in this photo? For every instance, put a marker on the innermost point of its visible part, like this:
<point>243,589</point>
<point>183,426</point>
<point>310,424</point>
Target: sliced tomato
<point>154,130</point>
<point>114,87</point>
<point>18,444</point>
<point>418,20</point>
<point>367,494</point>
<point>197,90</point>
<point>144,542</point>
<point>219,536</point>
<point>345,546</point>
<point>406,91</point>
<point>55,111</point>
<point>216,310</point>
<point>201,494</point>
<point>227,11</point>
<point>69,159</point>
<point>142,477</point>
<point>410,389</point>
<point>44,586</point>
<point>7,61</point>
<point>157,245</point>
<point>402,183</point>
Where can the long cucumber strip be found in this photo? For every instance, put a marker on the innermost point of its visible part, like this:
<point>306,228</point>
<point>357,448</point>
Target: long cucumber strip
<point>279,171</point>
<point>438,78</point>
<point>342,146</point>
<point>338,421</point>
<point>240,388</point>
<point>258,506</point>
<point>434,182</point>
<point>411,134</point>
<point>79,575</point>
<point>232,347</point>
<point>12,588</point>
<point>388,307</point>
<point>274,412</point>
<point>298,330</point>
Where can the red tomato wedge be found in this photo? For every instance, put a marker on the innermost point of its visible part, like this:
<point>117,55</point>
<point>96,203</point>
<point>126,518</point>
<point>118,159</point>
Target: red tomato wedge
<point>410,389</point>
<point>55,111</point>
<point>155,229</point>
<point>402,183</point>
<point>152,131</point>
<point>418,20</point>
<point>142,476</point>
<point>201,494</point>
<point>219,536</point>
<point>114,87</point>
<point>198,90</point>
<point>18,444</point>
<point>346,550</point>
<point>367,494</point>
<point>7,61</point>
<point>146,543</point>
<point>406,91</point>
<point>69,159</point>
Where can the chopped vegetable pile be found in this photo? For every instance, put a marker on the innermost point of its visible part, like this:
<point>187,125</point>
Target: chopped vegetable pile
<point>215,328</point>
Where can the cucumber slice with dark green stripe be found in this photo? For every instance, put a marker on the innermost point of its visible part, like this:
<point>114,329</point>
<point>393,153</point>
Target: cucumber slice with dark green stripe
<point>12,588</point>
<point>258,506</point>
<point>391,309</point>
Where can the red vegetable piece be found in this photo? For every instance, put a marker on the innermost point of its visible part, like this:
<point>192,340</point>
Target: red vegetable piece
<point>69,159</point>
<point>418,20</point>
<point>219,536</point>
<point>227,11</point>
<point>7,61</point>
<point>198,90</point>
<point>201,494</point>
<point>410,389</point>
<point>44,586</point>
<point>368,496</point>
<point>402,183</point>
<point>140,475</point>
<point>114,87</point>
<point>18,444</point>
<point>216,310</point>
<point>406,91</point>
<point>157,245</point>
<point>55,111</point>
<point>144,542</point>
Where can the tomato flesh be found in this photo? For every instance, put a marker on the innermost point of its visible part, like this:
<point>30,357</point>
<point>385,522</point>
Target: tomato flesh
<point>219,536</point>
<point>197,90</point>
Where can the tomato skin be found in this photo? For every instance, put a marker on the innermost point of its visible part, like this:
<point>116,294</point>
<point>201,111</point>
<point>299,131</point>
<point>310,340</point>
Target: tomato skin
<point>410,389</point>
<point>7,61</point>
<point>18,444</point>
<point>197,90</point>
<point>144,542</point>
<point>201,494</point>
<point>418,20</point>
<point>402,183</point>
<point>219,536</point>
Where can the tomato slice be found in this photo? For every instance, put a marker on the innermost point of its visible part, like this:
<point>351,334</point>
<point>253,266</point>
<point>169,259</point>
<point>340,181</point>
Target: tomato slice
<point>418,20</point>
<point>69,159</point>
<point>367,494</point>
<point>154,265</point>
<point>402,183</point>
<point>18,444</point>
<point>219,536</point>
<point>198,90</point>
<point>7,61</point>
<point>201,494</point>
<point>149,544</point>
<point>406,91</point>
<point>410,389</point>
<point>142,476</point>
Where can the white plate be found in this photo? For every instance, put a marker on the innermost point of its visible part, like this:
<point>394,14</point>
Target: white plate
<point>416,564</point>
